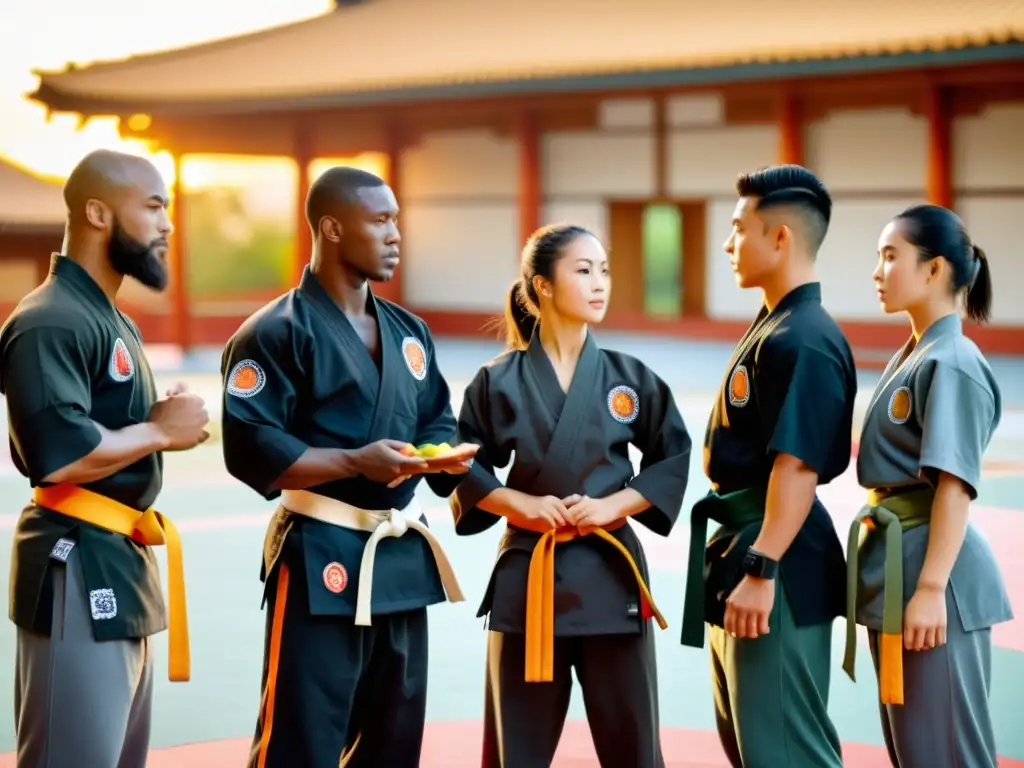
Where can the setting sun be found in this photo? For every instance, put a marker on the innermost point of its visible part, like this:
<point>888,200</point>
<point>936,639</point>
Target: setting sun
<point>48,34</point>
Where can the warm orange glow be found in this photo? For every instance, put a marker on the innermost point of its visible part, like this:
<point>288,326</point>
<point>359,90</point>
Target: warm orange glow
<point>29,38</point>
<point>373,162</point>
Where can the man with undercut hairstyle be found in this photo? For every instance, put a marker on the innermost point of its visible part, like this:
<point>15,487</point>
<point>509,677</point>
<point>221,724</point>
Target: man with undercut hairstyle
<point>324,390</point>
<point>87,430</point>
<point>772,577</point>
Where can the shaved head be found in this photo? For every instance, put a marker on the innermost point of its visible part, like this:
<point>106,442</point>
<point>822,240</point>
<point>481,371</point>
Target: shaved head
<point>122,200</point>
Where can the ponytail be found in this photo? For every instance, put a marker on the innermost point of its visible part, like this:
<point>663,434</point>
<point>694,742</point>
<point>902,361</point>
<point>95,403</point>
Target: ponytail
<point>520,320</point>
<point>979,290</point>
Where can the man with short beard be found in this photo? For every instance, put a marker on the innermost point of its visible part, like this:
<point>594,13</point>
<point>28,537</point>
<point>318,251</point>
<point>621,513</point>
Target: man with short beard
<point>87,430</point>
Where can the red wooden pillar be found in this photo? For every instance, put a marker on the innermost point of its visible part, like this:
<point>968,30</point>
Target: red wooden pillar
<point>180,309</point>
<point>791,131</point>
<point>529,176</point>
<point>938,184</point>
<point>392,290</point>
<point>303,156</point>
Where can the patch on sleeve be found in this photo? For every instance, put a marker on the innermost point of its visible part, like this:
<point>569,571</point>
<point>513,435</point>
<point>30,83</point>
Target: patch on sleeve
<point>122,368</point>
<point>62,550</point>
<point>246,379</point>
<point>739,386</point>
<point>899,405</point>
<point>335,578</point>
<point>103,604</point>
<point>415,357</point>
<point>624,404</point>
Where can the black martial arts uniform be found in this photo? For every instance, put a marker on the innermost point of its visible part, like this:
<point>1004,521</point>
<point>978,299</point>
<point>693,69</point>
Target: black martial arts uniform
<point>789,388</point>
<point>84,600</point>
<point>565,444</point>
<point>297,375</point>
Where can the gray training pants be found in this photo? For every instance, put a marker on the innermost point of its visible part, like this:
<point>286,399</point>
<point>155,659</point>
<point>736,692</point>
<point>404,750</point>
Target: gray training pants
<point>79,703</point>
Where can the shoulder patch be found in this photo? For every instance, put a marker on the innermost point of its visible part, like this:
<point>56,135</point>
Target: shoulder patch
<point>624,404</point>
<point>415,357</point>
<point>122,367</point>
<point>739,386</point>
<point>900,405</point>
<point>246,379</point>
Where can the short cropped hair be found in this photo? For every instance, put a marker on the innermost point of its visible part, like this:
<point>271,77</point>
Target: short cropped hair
<point>335,189</point>
<point>791,186</point>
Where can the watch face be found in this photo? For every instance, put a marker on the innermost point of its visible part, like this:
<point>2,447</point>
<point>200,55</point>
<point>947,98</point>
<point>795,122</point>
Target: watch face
<point>750,560</point>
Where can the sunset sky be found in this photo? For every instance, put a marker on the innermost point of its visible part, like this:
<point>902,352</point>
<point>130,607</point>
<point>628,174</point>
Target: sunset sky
<point>48,34</point>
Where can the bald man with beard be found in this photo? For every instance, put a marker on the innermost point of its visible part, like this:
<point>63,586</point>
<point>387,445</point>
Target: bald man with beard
<point>88,432</point>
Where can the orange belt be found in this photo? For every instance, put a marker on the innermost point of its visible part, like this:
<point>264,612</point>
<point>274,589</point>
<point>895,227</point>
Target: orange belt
<point>540,600</point>
<point>149,527</point>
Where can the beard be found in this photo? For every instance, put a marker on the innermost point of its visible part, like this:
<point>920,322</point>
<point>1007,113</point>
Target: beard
<point>133,258</point>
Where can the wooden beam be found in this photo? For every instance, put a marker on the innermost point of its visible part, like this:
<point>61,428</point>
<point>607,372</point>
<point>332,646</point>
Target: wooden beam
<point>303,156</point>
<point>939,183</point>
<point>180,303</point>
<point>791,130</point>
<point>529,175</point>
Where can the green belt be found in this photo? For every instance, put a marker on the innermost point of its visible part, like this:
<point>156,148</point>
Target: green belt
<point>733,510</point>
<point>895,513</point>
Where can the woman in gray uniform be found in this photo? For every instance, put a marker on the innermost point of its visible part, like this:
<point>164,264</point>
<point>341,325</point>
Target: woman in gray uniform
<point>927,585</point>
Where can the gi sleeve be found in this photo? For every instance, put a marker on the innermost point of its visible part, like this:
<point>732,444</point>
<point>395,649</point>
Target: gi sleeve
<point>259,368</point>
<point>802,399</point>
<point>474,427</point>
<point>664,442</point>
<point>436,421</point>
<point>957,416</point>
<point>46,380</point>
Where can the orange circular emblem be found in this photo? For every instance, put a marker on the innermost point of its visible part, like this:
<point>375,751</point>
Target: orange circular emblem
<point>246,379</point>
<point>335,577</point>
<point>623,404</point>
<point>739,386</point>
<point>415,357</point>
<point>899,405</point>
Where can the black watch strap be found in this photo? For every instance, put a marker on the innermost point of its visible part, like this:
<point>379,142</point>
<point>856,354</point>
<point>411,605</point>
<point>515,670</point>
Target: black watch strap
<point>759,565</point>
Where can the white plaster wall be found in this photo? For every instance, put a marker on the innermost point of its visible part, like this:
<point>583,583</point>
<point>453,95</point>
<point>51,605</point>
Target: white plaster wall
<point>459,220</point>
<point>595,164</point>
<point>463,256</point>
<point>988,149</point>
<point>706,162</point>
<point>849,255</point>
<point>988,176</point>
<point>590,214</point>
<point>993,223</point>
<point>459,164</point>
<point>869,150</point>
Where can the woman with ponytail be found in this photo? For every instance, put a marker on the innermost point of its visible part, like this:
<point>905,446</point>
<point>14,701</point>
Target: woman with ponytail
<point>923,580</point>
<point>570,588</point>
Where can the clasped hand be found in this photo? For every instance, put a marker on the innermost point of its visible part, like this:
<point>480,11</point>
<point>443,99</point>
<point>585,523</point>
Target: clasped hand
<point>544,513</point>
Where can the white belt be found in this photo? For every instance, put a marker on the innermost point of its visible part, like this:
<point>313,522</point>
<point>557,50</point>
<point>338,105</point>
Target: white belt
<point>379,524</point>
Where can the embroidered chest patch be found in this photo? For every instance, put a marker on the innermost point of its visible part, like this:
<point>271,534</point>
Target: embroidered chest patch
<point>335,578</point>
<point>900,405</point>
<point>624,404</point>
<point>415,357</point>
<point>103,604</point>
<point>246,379</point>
<point>739,386</point>
<point>122,368</point>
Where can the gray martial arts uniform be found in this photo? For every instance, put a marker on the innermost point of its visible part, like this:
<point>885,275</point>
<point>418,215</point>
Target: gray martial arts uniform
<point>934,410</point>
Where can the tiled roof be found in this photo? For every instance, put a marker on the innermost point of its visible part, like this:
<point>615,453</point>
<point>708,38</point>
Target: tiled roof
<point>397,45</point>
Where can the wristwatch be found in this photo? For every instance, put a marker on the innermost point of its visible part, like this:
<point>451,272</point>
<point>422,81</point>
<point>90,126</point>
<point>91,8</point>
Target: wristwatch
<point>759,565</point>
